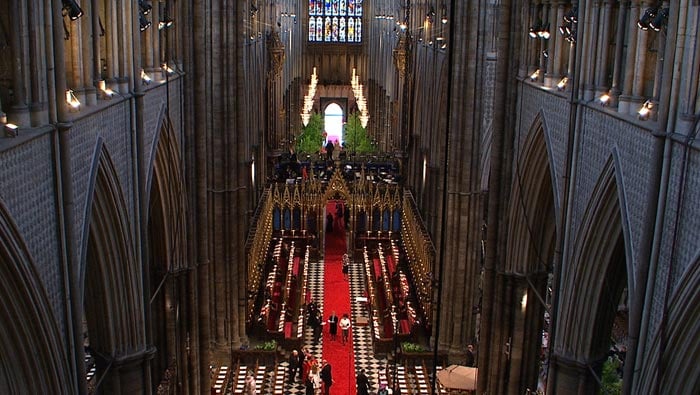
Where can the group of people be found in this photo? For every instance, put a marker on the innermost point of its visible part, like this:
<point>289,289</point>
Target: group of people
<point>317,377</point>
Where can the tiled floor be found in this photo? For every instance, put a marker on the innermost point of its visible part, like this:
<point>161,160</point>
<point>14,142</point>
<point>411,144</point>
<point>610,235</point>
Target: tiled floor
<point>362,336</point>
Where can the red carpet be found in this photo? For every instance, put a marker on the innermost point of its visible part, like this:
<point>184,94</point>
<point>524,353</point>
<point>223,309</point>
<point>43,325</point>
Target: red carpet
<point>337,298</point>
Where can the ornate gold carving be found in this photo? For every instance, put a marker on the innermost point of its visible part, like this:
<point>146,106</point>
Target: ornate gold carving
<point>400,56</point>
<point>275,49</point>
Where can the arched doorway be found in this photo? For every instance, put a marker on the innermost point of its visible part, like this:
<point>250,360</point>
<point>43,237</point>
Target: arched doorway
<point>333,120</point>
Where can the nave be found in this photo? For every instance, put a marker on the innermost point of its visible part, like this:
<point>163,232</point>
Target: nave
<point>330,291</point>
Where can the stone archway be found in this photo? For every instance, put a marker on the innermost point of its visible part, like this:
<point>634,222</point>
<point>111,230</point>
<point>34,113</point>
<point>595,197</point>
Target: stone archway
<point>532,236</point>
<point>32,353</point>
<point>167,261</point>
<point>590,288</point>
<point>113,294</point>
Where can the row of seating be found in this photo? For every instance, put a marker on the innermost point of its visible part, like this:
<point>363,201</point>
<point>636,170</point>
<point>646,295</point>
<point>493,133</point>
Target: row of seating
<point>232,381</point>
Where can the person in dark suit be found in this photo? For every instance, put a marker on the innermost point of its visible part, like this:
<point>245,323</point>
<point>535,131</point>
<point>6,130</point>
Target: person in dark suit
<point>293,366</point>
<point>326,377</point>
<point>362,383</point>
<point>329,150</point>
<point>333,325</point>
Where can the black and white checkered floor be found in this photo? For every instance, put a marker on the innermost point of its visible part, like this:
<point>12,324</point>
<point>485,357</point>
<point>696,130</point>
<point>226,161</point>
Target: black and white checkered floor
<point>375,368</point>
<point>361,335</point>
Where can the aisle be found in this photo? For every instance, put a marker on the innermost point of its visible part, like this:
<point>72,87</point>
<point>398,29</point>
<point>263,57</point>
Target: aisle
<point>337,298</point>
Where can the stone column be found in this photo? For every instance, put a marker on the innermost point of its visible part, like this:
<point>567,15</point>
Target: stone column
<point>601,83</point>
<point>626,99</point>
<point>18,111</point>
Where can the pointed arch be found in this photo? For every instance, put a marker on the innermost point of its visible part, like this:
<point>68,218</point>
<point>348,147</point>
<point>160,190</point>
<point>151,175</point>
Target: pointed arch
<point>534,208</point>
<point>31,338</point>
<point>167,248</point>
<point>683,343</point>
<point>112,292</point>
<point>597,275</point>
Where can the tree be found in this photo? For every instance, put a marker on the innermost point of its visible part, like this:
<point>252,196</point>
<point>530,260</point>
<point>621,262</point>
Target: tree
<point>356,139</point>
<point>310,140</point>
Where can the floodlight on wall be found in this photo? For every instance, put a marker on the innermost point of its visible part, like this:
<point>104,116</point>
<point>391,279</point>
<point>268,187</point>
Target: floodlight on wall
<point>660,20</point>
<point>646,19</point>
<point>535,75</point>
<point>106,91</point>
<point>539,30</point>
<point>444,14</point>
<point>145,6</point>
<point>561,85</point>
<point>145,78</point>
<point>645,110</point>
<point>604,99</point>
<point>165,23</point>
<point>11,130</point>
<point>167,68</point>
<point>72,9</point>
<point>144,23</point>
<point>572,15</point>
<point>72,101</point>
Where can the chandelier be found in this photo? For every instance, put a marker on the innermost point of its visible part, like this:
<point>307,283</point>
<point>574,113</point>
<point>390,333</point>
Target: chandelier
<point>357,90</point>
<point>309,99</point>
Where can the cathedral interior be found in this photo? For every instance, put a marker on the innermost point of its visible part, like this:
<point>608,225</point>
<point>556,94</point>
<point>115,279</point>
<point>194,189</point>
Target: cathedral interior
<point>497,194</point>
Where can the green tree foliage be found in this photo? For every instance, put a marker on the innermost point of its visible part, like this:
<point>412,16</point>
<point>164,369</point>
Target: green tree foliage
<point>311,138</point>
<point>611,384</point>
<point>356,139</point>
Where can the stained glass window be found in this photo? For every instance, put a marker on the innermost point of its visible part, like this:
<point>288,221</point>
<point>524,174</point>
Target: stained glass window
<point>335,21</point>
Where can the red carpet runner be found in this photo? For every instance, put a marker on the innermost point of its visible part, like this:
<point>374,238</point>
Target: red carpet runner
<point>337,298</point>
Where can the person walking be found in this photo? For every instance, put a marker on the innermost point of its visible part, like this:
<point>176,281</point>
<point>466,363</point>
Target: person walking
<point>345,327</point>
<point>362,383</point>
<point>293,366</point>
<point>249,387</point>
<point>326,377</point>
<point>333,325</point>
<point>346,266</point>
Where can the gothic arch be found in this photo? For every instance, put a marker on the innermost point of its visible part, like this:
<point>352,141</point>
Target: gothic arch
<point>166,221</point>
<point>592,283</point>
<point>30,339</point>
<point>533,210</point>
<point>112,290</point>
<point>682,372</point>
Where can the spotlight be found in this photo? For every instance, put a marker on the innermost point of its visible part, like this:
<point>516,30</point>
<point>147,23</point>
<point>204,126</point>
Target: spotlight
<point>659,20</point>
<point>604,99</point>
<point>167,22</point>
<point>649,15</point>
<point>533,76</point>
<point>108,93</point>
<point>545,53</point>
<point>561,85</point>
<point>11,130</point>
<point>72,9</point>
<point>72,101</point>
<point>143,22</point>
<point>145,6</point>
<point>645,110</point>
<point>533,31</point>
<point>145,78</point>
<point>572,15</point>
<point>444,14</point>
